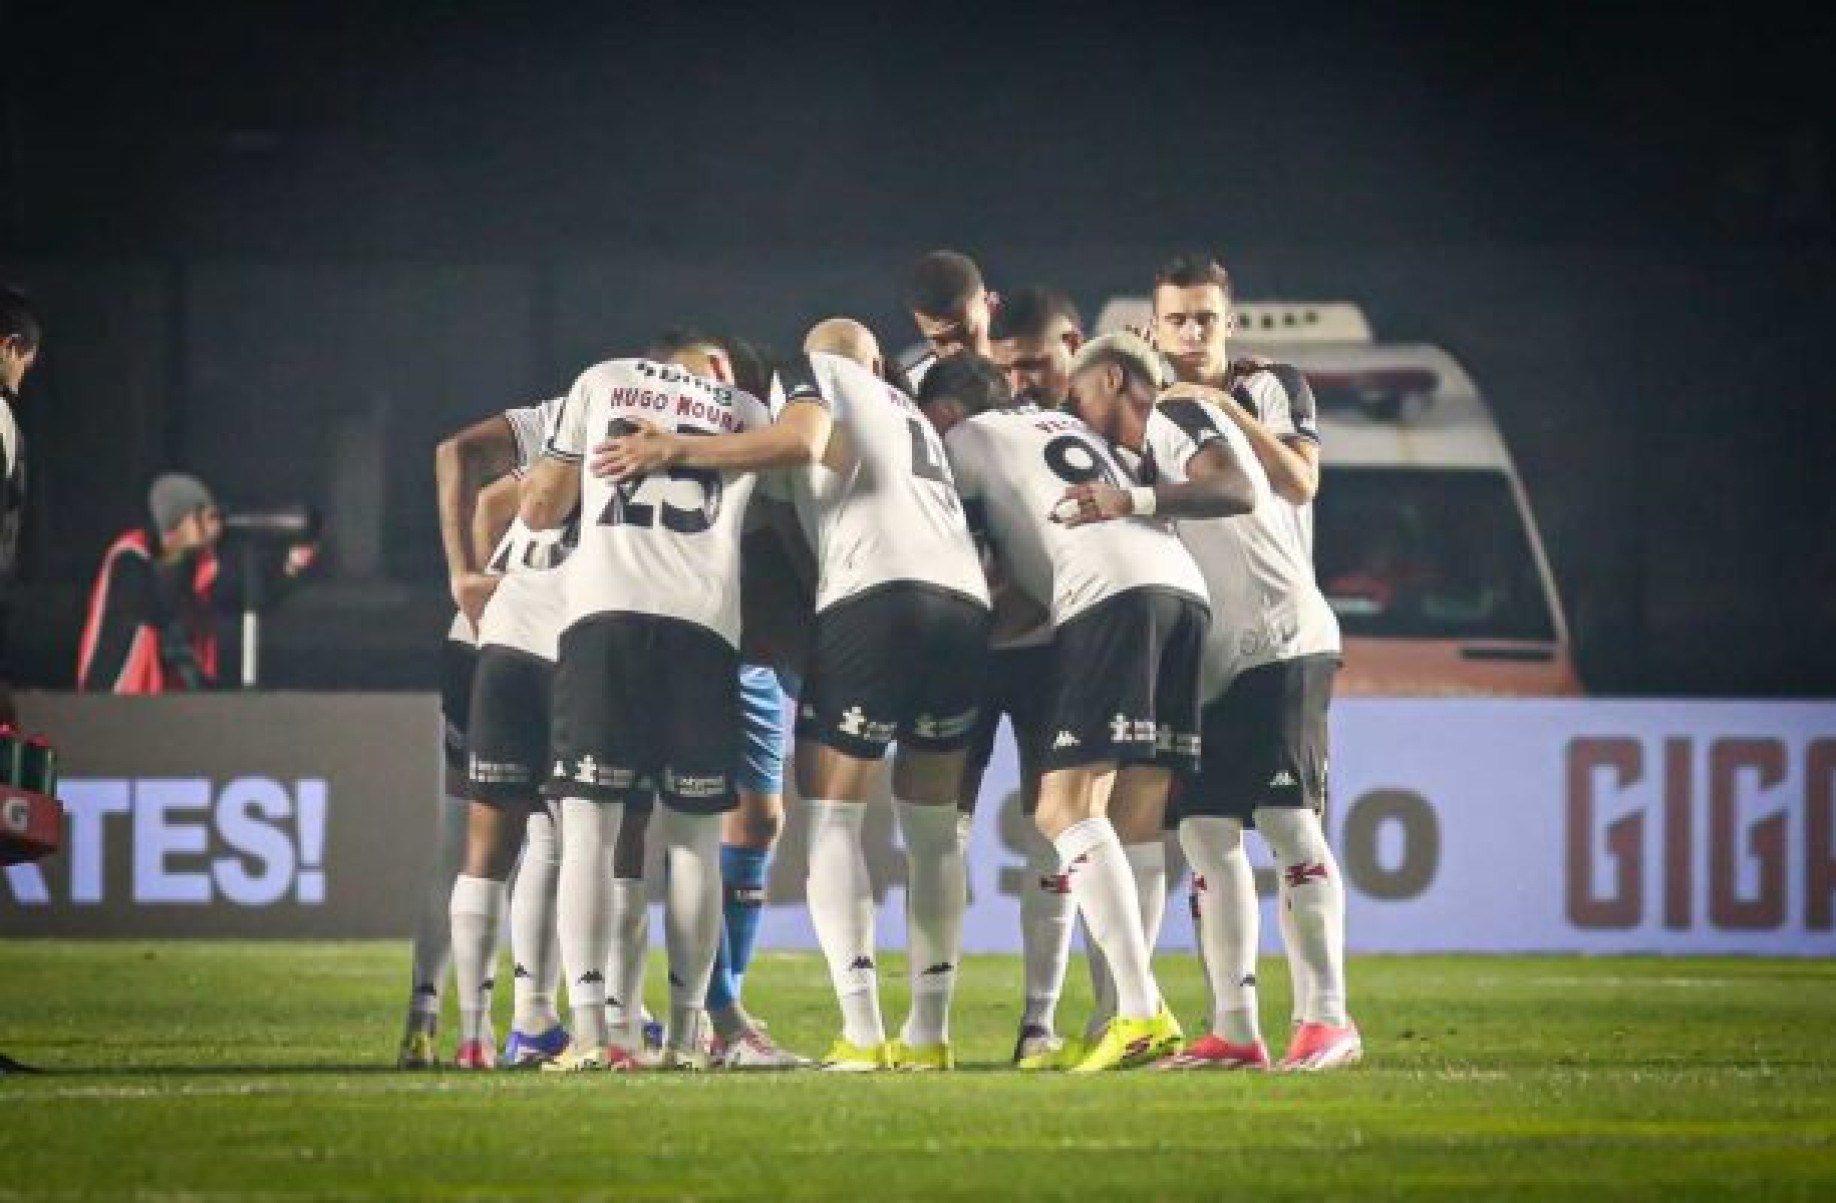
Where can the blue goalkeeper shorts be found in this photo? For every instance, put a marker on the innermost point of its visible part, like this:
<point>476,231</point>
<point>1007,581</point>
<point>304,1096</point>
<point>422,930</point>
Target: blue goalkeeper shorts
<point>761,768</point>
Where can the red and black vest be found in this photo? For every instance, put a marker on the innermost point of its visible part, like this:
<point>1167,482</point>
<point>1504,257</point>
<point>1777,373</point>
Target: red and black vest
<point>121,647</point>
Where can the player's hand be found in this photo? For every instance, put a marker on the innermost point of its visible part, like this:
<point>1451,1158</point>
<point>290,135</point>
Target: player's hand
<point>1143,331</point>
<point>300,557</point>
<point>648,449</point>
<point>1084,504</point>
<point>472,592</point>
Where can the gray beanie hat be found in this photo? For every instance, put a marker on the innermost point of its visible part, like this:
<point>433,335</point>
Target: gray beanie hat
<point>175,497</point>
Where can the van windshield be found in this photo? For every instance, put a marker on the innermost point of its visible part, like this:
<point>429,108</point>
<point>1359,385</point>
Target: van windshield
<point>1428,553</point>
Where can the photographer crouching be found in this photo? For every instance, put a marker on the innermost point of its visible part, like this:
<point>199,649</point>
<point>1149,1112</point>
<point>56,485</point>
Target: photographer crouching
<point>154,612</point>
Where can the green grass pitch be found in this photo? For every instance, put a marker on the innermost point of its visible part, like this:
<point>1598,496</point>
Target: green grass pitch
<point>229,1070</point>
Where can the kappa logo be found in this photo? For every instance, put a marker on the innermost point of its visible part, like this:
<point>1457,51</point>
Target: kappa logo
<point>861,965</point>
<point>1283,780</point>
<point>520,973</point>
<point>940,969</point>
<point>1064,739</point>
<point>586,770</point>
<point>853,719</point>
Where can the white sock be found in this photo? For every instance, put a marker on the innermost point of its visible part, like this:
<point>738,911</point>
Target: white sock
<point>625,961</point>
<point>1148,864</point>
<point>692,918</point>
<point>1229,923</point>
<point>1106,897</point>
<point>1300,983</point>
<point>476,909</point>
<point>937,894</point>
<point>588,831</point>
<point>535,942</point>
<point>433,930</point>
<point>841,909</point>
<point>1316,899</point>
<point>1046,912</point>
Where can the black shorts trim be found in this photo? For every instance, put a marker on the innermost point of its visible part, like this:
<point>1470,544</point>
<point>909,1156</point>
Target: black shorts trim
<point>1126,682</point>
<point>903,661</point>
<point>643,702</point>
<point>512,693</point>
<point>1265,743</point>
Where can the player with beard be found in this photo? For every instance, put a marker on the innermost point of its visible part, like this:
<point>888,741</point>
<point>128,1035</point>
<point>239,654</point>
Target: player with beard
<point>1268,683</point>
<point>897,652</point>
<point>1129,616</point>
<point>951,306</point>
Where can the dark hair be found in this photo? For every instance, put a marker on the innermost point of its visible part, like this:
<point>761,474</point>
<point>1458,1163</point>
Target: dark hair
<point>677,339</point>
<point>893,372</point>
<point>941,283</point>
<point>753,364</point>
<point>974,382</point>
<point>18,318</point>
<point>1193,269</point>
<point>1029,312</point>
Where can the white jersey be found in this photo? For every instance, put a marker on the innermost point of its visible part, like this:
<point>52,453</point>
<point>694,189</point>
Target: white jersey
<point>1265,605</point>
<point>889,511</point>
<point>1013,466</point>
<point>528,608</point>
<point>1279,397</point>
<point>529,426</point>
<point>667,544</point>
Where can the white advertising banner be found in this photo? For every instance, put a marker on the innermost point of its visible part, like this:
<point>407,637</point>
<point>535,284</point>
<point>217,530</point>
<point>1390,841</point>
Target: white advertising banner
<point>1510,826</point>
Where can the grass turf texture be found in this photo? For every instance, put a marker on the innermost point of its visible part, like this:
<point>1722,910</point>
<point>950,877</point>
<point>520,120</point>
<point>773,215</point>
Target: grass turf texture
<point>262,1070</point>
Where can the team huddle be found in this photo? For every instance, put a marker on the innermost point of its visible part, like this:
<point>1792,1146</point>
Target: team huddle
<point>1108,542</point>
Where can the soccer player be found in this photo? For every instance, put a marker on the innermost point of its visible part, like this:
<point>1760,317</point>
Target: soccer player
<point>1129,614</point>
<point>507,764</point>
<point>897,652</point>
<point>1033,336</point>
<point>646,683</point>
<point>465,463</point>
<point>1274,408</point>
<point>1268,681</point>
<point>951,307</point>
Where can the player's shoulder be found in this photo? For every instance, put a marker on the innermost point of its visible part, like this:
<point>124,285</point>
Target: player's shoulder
<point>1196,418</point>
<point>1267,383</point>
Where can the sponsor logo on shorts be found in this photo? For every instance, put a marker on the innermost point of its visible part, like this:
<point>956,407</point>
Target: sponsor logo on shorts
<point>854,722</point>
<point>1064,739</point>
<point>1124,730</point>
<point>681,785</point>
<point>497,772</point>
<point>1283,780</point>
<point>949,727</point>
<point>588,771</point>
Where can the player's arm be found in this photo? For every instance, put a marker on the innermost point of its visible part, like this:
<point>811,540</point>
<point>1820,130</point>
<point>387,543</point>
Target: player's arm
<point>799,437</point>
<point>550,492</point>
<point>497,507</point>
<point>1184,434</point>
<point>464,463</point>
<point>1291,461</point>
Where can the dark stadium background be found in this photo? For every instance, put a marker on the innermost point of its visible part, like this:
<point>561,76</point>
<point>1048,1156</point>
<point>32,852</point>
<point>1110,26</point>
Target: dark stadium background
<point>287,247</point>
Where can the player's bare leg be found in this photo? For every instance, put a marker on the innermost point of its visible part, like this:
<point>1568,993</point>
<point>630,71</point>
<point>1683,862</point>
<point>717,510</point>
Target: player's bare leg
<point>925,786</point>
<point>840,895</point>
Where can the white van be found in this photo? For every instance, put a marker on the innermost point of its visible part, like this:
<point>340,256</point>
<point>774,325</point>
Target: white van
<point>1423,538</point>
